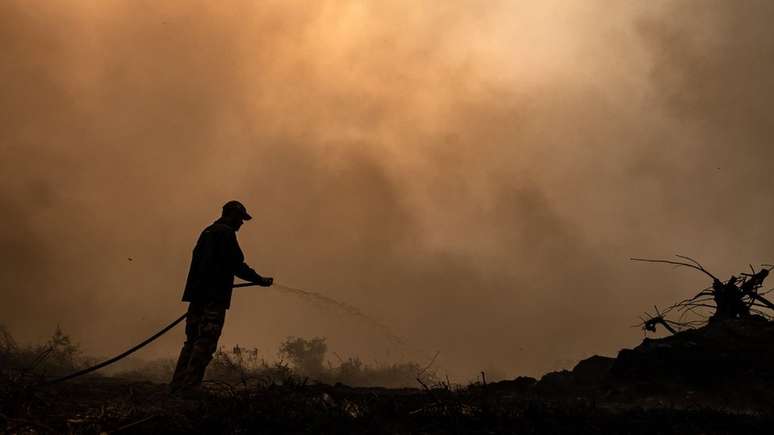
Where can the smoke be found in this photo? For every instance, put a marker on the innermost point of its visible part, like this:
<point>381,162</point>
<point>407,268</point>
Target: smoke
<point>474,177</point>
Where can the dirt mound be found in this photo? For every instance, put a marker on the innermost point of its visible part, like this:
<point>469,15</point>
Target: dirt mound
<point>590,374</point>
<point>727,351</point>
<point>726,364</point>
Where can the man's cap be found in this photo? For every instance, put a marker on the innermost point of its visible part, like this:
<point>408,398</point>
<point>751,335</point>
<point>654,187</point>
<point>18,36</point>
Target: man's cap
<point>236,206</point>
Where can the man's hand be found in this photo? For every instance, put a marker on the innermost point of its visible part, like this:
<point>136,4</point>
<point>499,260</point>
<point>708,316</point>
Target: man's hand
<point>266,281</point>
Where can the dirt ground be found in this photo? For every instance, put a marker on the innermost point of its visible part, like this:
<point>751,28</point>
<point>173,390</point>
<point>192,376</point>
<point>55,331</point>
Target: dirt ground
<point>717,379</point>
<point>108,405</point>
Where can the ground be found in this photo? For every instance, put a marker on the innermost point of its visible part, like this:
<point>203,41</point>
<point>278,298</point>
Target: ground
<point>104,405</point>
<point>713,380</point>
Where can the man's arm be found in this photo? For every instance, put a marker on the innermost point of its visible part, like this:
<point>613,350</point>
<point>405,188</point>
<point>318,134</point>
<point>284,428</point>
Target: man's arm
<point>240,268</point>
<point>247,273</point>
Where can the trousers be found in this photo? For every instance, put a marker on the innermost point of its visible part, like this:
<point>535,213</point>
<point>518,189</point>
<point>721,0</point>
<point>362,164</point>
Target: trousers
<point>203,325</point>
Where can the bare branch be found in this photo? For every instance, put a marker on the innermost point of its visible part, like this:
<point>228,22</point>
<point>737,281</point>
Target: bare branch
<point>695,266</point>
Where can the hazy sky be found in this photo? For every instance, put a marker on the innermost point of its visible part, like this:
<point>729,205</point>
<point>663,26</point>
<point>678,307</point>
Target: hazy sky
<point>473,174</point>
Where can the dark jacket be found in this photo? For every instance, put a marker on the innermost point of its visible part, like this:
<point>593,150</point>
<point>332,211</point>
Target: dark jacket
<point>217,258</point>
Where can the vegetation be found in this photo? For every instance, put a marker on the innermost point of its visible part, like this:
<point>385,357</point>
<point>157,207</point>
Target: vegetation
<point>302,392</point>
<point>306,359</point>
<point>30,363</point>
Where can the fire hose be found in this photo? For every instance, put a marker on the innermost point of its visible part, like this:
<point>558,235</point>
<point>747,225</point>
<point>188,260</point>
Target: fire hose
<point>316,297</point>
<point>128,352</point>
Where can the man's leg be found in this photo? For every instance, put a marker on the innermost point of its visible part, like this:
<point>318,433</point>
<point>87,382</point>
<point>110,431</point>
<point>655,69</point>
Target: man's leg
<point>192,320</point>
<point>182,366</point>
<point>205,344</point>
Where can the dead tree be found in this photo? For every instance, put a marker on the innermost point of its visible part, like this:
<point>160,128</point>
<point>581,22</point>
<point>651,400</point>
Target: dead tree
<point>738,297</point>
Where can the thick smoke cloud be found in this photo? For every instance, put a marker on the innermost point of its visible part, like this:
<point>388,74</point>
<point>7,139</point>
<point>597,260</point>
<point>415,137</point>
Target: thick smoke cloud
<point>474,177</point>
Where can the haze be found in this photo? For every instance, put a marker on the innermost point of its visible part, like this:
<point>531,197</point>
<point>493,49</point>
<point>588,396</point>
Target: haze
<point>473,174</point>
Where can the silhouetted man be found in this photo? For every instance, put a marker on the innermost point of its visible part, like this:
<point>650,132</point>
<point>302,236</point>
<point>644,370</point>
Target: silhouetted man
<point>217,258</point>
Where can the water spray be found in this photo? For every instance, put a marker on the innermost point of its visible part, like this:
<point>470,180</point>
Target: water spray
<point>324,301</point>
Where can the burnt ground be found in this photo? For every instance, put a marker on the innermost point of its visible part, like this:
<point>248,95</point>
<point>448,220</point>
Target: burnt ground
<point>713,380</point>
<point>117,406</point>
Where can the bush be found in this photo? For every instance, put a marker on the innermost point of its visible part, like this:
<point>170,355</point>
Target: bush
<point>305,362</point>
<point>57,357</point>
<point>307,356</point>
<point>301,361</point>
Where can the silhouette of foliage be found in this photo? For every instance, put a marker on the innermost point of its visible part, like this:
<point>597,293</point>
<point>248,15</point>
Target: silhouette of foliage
<point>306,355</point>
